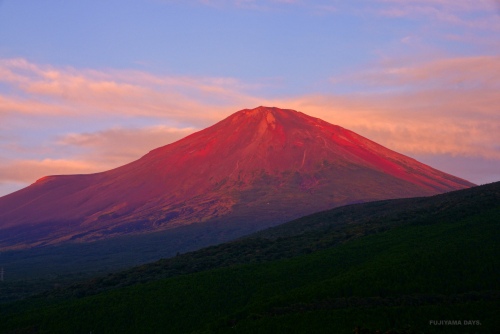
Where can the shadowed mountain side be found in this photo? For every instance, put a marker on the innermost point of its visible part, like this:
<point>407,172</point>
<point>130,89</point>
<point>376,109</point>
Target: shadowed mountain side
<point>133,249</point>
<point>257,167</point>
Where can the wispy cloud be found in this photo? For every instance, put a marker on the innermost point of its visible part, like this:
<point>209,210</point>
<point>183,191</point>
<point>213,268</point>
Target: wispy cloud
<point>444,106</point>
<point>455,5</point>
<point>28,171</point>
<point>260,5</point>
<point>411,124</point>
<point>449,11</point>
<point>46,89</point>
<point>460,73</point>
<point>479,14</point>
<point>107,147</point>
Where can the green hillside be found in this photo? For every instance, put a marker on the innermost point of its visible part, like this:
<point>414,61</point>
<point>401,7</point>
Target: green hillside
<point>33,271</point>
<point>319,231</point>
<point>391,265</point>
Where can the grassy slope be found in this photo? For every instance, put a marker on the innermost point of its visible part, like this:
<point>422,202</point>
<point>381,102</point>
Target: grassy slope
<point>306,235</point>
<point>40,269</point>
<point>439,267</point>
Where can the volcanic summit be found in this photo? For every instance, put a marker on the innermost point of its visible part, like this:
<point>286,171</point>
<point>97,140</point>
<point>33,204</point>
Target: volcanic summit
<point>258,167</point>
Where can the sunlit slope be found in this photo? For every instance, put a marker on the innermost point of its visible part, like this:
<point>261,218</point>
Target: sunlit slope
<point>262,166</point>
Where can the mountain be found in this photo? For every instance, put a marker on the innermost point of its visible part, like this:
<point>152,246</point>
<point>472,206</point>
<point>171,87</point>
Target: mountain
<point>256,168</point>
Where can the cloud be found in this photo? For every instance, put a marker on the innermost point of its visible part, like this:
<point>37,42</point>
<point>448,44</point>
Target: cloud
<point>448,11</point>
<point>459,5</point>
<point>10,106</point>
<point>443,106</point>
<point>408,105</point>
<point>259,5</point>
<point>405,125</point>
<point>107,146</point>
<point>458,73</point>
<point>35,98</point>
<point>479,14</point>
<point>88,153</point>
<point>28,171</point>
<point>38,89</point>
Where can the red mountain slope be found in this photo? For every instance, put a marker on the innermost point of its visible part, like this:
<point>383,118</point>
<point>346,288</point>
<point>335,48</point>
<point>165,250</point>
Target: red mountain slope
<point>261,166</point>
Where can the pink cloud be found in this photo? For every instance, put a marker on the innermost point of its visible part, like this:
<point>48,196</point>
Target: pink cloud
<point>406,125</point>
<point>106,147</point>
<point>459,95</point>
<point>444,106</point>
<point>10,106</point>
<point>91,152</point>
<point>462,5</point>
<point>132,93</point>
<point>448,11</point>
<point>28,171</point>
<point>475,71</point>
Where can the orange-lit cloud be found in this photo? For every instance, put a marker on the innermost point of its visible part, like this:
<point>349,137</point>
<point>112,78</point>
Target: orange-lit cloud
<point>448,11</point>
<point>451,5</point>
<point>11,106</point>
<point>28,171</point>
<point>445,106</point>
<point>116,146</point>
<point>453,12</point>
<point>480,72</point>
<point>81,93</point>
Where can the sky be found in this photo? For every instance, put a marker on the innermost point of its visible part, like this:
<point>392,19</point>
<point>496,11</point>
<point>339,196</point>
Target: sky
<point>86,86</point>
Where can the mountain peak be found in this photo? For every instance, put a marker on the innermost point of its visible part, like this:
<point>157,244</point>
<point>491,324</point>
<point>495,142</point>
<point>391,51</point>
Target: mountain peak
<point>260,110</point>
<point>266,115</point>
<point>264,112</point>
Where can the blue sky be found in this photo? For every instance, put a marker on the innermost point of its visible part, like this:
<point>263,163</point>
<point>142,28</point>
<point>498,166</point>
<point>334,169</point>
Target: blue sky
<point>89,85</point>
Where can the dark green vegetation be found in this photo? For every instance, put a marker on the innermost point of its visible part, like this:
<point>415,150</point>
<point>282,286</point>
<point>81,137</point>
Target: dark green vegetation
<point>383,265</point>
<point>75,259</point>
<point>38,269</point>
